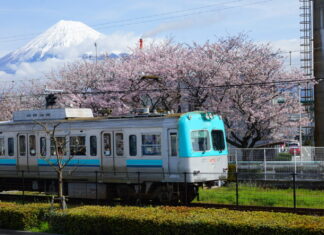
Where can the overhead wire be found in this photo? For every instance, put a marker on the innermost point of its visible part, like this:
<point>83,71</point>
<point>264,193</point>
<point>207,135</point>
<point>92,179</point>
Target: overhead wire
<point>159,17</point>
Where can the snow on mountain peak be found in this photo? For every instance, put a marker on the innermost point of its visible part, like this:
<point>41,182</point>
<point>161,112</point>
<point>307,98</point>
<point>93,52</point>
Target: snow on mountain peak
<point>63,34</point>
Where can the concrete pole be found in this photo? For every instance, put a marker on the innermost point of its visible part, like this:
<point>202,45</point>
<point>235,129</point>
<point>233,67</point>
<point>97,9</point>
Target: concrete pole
<point>318,35</point>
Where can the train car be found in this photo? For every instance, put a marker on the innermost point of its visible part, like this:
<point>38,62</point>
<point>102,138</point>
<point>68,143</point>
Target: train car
<point>161,157</point>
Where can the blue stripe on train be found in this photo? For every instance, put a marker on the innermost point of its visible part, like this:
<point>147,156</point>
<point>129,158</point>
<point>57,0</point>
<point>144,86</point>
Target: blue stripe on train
<point>151,163</point>
<point>8,162</point>
<point>73,162</point>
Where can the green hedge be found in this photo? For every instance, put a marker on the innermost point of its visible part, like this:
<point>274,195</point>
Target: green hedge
<point>156,220</point>
<point>180,220</point>
<point>18,216</point>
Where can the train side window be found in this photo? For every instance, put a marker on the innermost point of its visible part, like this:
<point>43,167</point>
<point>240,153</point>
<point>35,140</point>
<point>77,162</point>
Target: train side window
<point>60,146</point>
<point>93,145</point>
<point>78,145</point>
<point>107,144</point>
<point>32,145</point>
<point>11,147</point>
<point>2,147</point>
<point>119,137</point>
<point>218,140</point>
<point>151,145</point>
<point>22,145</point>
<point>132,145</point>
<point>42,145</point>
<point>200,140</point>
<point>173,144</point>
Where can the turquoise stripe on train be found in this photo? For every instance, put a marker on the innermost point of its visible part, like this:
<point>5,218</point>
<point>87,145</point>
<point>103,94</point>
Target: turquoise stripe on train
<point>144,163</point>
<point>73,162</point>
<point>8,162</point>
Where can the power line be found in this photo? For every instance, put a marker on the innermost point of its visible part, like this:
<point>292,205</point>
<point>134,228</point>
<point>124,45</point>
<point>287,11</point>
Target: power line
<point>126,91</point>
<point>148,19</point>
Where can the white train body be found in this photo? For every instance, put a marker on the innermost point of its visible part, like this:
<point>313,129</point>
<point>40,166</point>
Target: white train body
<point>119,152</point>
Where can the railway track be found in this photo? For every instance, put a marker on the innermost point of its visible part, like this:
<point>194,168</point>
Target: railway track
<point>74,201</point>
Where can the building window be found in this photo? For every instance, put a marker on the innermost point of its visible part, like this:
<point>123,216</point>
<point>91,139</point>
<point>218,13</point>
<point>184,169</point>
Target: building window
<point>60,146</point>
<point>93,145</point>
<point>2,147</point>
<point>32,145</point>
<point>119,137</point>
<point>42,145</point>
<point>78,145</point>
<point>173,145</point>
<point>107,144</point>
<point>151,145</point>
<point>22,145</point>
<point>200,140</point>
<point>132,145</point>
<point>11,147</point>
<point>218,140</point>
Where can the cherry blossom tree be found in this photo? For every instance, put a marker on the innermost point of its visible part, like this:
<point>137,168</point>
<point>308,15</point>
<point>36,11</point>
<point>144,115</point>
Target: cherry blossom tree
<point>234,77</point>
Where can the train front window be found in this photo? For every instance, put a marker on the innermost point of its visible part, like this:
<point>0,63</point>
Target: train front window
<point>60,148</point>
<point>151,145</point>
<point>200,140</point>
<point>78,145</point>
<point>218,140</point>
<point>2,147</point>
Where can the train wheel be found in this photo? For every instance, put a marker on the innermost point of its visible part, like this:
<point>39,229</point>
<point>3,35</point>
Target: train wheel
<point>126,193</point>
<point>165,194</point>
<point>187,196</point>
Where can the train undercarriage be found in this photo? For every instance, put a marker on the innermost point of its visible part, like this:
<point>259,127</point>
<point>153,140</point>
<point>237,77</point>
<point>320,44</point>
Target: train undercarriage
<point>155,192</point>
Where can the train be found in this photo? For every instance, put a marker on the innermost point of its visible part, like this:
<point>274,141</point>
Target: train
<point>162,157</point>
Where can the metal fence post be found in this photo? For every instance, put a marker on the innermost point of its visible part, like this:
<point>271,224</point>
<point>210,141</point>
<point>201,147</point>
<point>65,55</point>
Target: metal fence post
<point>236,163</point>
<point>236,189</point>
<point>186,188</point>
<point>97,187</point>
<point>139,186</point>
<point>294,189</point>
<point>23,185</point>
<point>265,164</point>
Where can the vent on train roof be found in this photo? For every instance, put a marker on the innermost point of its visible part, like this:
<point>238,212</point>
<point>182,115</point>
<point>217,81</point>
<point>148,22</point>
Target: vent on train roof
<point>52,114</point>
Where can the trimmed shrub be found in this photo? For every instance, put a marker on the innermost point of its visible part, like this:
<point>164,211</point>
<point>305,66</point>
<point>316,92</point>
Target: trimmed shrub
<point>180,220</point>
<point>18,216</point>
<point>283,157</point>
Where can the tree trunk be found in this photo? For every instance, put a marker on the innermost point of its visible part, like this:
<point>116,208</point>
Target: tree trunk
<point>60,183</point>
<point>60,189</point>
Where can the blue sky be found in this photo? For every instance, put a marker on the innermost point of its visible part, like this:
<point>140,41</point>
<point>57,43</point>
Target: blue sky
<point>186,21</point>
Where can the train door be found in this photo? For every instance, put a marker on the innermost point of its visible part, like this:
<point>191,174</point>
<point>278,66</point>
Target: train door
<point>113,154</point>
<point>173,151</point>
<point>26,154</point>
<point>32,153</point>
<point>107,156</point>
<point>22,156</point>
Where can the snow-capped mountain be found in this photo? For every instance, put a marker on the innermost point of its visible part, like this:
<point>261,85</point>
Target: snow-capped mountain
<point>62,40</point>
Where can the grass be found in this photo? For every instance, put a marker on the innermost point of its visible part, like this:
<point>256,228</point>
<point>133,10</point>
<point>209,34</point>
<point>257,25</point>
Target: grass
<point>257,196</point>
<point>42,228</point>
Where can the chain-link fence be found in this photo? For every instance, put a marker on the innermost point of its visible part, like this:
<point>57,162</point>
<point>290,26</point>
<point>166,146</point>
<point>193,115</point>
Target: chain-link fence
<point>272,162</point>
<point>249,188</point>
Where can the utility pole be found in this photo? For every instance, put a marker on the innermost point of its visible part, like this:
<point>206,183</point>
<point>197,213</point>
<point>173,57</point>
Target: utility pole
<point>95,44</point>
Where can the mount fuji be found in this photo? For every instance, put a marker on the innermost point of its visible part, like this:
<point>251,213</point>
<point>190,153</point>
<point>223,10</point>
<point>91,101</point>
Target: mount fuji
<point>64,41</point>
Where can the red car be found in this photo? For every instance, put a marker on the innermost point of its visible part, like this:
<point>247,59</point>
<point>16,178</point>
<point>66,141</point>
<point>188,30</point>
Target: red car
<point>294,150</point>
